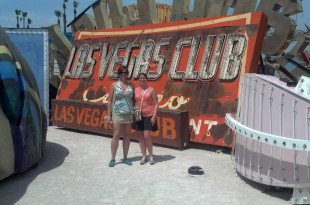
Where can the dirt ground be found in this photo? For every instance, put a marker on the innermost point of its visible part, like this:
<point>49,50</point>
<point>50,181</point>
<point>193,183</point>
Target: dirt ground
<point>75,171</point>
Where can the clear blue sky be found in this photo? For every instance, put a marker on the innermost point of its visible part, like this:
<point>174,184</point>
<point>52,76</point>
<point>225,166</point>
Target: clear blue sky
<point>42,12</point>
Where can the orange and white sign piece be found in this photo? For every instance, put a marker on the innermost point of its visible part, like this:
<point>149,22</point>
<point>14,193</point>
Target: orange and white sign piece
<point>194,65</point>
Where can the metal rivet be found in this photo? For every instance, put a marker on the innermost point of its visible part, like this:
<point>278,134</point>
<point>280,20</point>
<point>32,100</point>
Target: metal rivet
<point>294,145</point>
<point>274,141</point>
<point>305,146</point>
<point>252,135</point>
<point>245,133</point>
<point>284,143</point>
<point>266,139</point>
<point>258,137</point>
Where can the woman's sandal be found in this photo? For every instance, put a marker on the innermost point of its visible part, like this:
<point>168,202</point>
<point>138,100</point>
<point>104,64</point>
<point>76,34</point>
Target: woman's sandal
<point>152,161</point>
<point>112,163</point>
<point>143,160</point>
<point>127,161</point>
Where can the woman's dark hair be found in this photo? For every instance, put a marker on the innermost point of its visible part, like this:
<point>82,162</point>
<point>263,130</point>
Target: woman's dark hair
<point>145,75</point>
<point>122,69</point>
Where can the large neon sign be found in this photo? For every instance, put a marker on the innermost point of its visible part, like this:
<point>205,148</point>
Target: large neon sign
<point>194,65</point>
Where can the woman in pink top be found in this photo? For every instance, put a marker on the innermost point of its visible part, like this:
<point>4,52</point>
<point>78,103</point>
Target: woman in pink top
<point>146,100</point>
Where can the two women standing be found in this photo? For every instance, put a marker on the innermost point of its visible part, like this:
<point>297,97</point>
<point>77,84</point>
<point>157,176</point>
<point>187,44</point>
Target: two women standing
<point>120,108</point>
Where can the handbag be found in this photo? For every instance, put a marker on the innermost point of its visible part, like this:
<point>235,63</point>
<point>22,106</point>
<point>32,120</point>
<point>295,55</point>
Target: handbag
<point>137,115</point>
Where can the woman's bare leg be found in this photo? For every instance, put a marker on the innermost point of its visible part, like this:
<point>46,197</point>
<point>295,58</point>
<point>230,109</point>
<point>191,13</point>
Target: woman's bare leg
<point>142,143</point>
<point>148,142</point>
<point>115,139</point>
<point>126,139</point>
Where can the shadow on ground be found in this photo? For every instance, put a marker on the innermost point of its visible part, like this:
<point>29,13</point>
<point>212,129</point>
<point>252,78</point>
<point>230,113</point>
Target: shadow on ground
<point>14,187</point>
<point>279,192</point>
<point>158,158</point>
<point>210,148</point>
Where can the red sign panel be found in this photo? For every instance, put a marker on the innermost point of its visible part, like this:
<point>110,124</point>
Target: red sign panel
<point>194,66</point>
<point>173,125</point>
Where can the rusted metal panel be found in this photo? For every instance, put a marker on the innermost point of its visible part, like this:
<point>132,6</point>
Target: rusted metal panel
<point>173,125</point>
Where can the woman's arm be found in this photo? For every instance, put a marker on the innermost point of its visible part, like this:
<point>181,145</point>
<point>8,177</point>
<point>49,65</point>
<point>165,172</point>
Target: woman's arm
<point>110,102</point>
<point>155,99</point>
<point>134,95</point>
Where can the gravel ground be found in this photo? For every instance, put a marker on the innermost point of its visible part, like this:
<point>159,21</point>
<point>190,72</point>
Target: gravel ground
<point>75,171</point>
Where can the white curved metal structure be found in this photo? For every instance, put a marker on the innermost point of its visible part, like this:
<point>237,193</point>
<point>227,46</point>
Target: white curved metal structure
<point>272,134</point>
